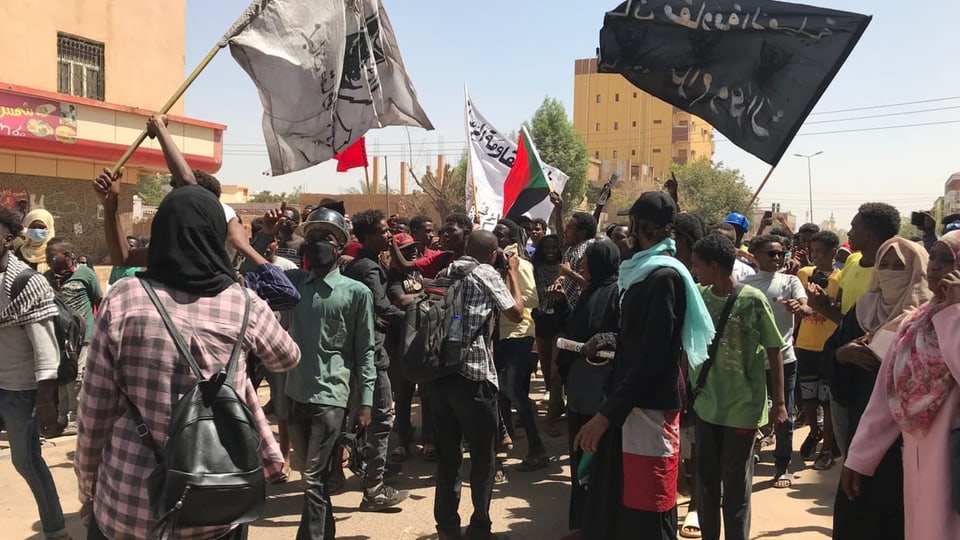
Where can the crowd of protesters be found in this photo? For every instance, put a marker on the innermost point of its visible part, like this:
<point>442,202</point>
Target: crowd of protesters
<point>673,350</point>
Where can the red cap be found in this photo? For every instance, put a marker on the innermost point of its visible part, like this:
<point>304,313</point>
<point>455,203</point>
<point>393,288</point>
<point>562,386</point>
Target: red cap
<point>404,240</point>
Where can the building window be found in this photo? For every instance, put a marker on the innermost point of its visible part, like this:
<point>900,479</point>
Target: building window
<point>616,126</point>
<point>682,123</point>
<point>614,154</point>
<point>656,150</point>
<point>633,152</point>
<point>598,98</point>
<point>596,154</point>
<point>616,97</point>
<point>658,121</point>
<point>634,123</point>
<point>634,95</point>
<point>80,67</point>
<point>597,127</point>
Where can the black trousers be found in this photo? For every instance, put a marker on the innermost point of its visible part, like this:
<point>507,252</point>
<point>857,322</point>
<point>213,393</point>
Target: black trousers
<point>314,430</point>
<point>464,409</point>
<point>725,471</point>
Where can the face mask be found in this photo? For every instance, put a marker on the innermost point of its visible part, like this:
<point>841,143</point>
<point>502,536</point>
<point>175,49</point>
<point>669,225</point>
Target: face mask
<point>37,235</point>
<point>891,284</point>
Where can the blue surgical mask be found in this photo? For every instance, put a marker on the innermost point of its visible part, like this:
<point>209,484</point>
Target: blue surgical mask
<point>37,235</point>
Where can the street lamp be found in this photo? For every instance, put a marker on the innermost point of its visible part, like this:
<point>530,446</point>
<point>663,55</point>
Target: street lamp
<point>810,178</point>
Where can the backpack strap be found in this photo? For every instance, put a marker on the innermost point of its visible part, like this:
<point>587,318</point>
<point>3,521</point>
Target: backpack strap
<point>715,344</point>
<point>234,362</point>
<point>172,330</point>
<point>20,282</point>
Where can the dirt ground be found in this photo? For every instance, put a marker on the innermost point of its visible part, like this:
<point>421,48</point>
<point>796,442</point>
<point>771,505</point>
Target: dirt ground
<point>530,505</point>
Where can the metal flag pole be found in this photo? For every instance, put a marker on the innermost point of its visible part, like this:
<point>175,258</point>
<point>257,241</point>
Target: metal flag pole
<point>366,174</point>
<point>248,15</point>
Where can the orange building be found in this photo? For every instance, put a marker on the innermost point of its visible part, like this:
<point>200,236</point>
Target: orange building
<point>78,80</point>
<point>630,131</point>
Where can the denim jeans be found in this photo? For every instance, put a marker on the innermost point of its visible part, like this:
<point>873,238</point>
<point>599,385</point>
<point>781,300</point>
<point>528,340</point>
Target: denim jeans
<point>314,430</point>
<point>18,411</point>
<point>783,452</point>
<point>464,409</point>
<point>515,366</point>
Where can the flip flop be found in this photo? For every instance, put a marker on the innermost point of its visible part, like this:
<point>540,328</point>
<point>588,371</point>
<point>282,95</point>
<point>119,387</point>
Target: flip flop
<point>691,526</point>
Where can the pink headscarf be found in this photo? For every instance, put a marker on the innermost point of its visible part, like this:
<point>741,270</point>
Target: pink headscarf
<point>920,380</point>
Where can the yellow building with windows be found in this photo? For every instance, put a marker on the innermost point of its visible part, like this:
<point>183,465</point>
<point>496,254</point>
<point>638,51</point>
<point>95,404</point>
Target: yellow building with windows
<point>78,81</point>
<point>632,132</point>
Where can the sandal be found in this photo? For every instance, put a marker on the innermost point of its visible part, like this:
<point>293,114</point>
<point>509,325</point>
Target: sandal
<point>691,526</point>
<point>825,461</point>
<point>809,446</point>
<point>782,480</point>
<point>533,463</point>
<point>399,454</point>
<point>284,476</point>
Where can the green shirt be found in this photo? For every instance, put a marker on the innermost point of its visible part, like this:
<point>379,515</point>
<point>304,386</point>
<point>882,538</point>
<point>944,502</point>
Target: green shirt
<point>333,325</point>
<point>120,272</point>
<point>735,393</point>
<point>80,292</point>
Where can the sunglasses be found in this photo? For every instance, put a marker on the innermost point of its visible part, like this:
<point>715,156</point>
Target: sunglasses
<point>774,254</point>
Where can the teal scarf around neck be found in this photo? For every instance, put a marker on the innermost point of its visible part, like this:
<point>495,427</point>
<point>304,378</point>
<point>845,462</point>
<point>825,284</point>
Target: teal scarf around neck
<point>698,330</point>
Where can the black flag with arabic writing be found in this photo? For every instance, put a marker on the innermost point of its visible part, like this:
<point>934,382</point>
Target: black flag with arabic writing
<point>753,69</point>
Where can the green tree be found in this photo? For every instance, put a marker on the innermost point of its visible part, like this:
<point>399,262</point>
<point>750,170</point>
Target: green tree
<point>711,190</point>
<point>561,146</point>
<point>152,188</point>
<point>266,196</point>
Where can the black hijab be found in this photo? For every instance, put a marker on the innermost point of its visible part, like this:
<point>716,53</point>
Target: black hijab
<point>603,262</point>
<point>598,309</point>
<point>187,240</point>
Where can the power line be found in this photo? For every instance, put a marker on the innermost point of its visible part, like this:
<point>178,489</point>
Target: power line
<point>886,106</point>
<point>901,113</point>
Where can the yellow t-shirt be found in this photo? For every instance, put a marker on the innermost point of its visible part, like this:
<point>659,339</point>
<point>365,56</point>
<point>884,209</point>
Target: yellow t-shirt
<point>815,329</point>
<point>854,282</point>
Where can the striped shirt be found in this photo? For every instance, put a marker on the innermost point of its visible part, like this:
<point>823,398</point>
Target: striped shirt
<point>132,354</point>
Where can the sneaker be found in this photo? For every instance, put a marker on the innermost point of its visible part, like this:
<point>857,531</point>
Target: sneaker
<point>825,461</point>
<point>381,497</point>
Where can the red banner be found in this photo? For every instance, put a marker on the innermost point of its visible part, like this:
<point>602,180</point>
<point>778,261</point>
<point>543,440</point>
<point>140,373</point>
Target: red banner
<point>38,118</point>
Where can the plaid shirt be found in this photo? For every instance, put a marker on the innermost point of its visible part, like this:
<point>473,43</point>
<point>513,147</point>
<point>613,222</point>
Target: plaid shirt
<point>133,355</point>
<point>574,256</point>
<point>483,292</point>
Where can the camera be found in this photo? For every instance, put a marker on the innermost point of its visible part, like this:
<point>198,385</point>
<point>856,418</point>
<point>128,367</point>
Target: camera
<point>821,279</point>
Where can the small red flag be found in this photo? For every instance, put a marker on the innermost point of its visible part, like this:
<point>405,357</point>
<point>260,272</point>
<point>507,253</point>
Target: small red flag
<point>354,156</point>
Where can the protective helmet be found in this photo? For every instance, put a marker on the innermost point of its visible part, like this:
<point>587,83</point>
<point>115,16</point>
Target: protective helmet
<point>328,220</point>
<point>738,220</point>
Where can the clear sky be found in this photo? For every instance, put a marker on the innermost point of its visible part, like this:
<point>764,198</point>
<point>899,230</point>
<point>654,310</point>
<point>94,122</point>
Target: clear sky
<point>513,53</point>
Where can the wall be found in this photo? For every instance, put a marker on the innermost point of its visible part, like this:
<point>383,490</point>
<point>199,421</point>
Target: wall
<point>144,45</point>
<point>76,209</point>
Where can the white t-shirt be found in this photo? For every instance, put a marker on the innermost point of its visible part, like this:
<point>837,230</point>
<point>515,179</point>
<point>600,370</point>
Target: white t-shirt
<point>741,270</point>
<point>778,287</point>
<point>230,214</point>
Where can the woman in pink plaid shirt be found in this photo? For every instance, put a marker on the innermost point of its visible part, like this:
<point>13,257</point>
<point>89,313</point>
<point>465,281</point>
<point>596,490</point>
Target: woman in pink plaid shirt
<point>132,356</point>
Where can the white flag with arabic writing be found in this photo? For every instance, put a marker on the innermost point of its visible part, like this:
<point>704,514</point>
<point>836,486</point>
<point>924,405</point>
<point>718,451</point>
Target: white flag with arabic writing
<point>490,155</point>
<point>327,72</point>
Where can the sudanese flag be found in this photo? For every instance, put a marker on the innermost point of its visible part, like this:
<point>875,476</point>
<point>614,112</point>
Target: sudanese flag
<point>526,184</point>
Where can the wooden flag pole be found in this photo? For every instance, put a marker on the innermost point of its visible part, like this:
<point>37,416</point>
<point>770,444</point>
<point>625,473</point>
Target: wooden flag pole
<point>757,193</point>
<point>170,103</point>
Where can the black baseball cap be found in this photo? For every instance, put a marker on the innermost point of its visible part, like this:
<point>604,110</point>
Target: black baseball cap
<point>653,206</point>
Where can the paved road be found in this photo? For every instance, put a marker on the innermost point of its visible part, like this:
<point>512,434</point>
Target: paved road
<point>529,506</point>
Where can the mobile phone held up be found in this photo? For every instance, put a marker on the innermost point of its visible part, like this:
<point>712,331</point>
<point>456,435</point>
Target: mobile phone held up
<point>821,279</point>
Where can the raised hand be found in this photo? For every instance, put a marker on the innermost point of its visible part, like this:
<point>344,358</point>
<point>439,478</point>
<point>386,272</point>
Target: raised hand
<point>107,186</point>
